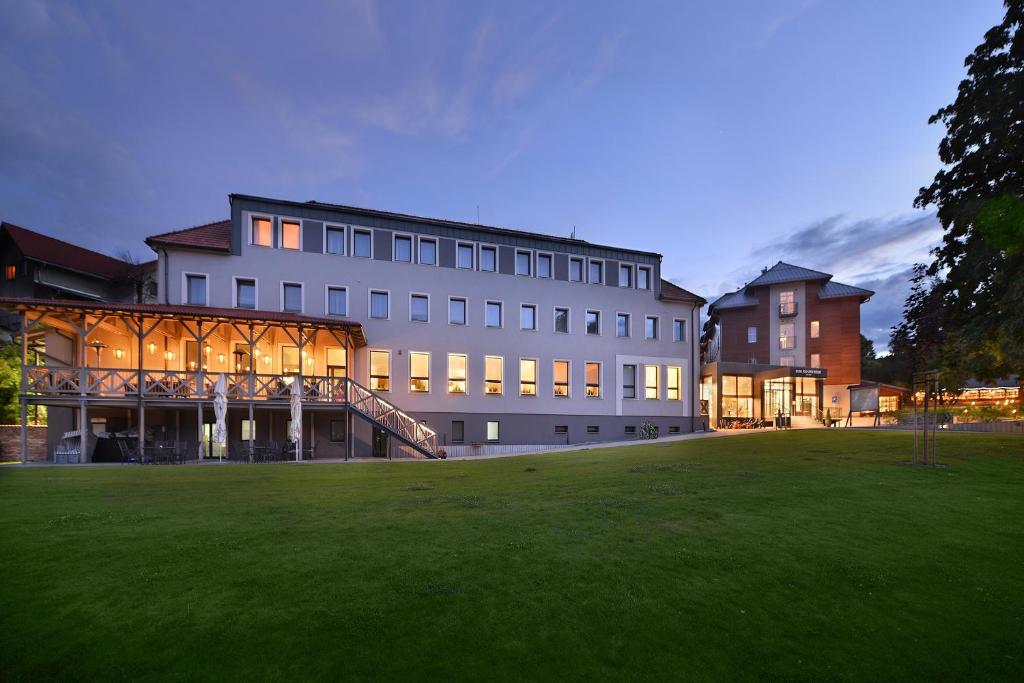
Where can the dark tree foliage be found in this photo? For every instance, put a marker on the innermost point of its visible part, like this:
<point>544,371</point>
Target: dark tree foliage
<point>966,313</point>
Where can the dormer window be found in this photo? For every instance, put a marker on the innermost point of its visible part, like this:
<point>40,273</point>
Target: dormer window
<point>261,232</point>
<point>291,237</point>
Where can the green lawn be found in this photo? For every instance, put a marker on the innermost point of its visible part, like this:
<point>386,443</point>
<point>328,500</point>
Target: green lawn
<point>806,555</point>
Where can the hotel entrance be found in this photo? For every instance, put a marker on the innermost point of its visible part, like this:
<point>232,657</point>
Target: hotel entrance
<point>788,396</point>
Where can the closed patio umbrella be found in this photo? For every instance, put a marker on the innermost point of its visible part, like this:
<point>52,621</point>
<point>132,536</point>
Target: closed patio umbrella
<point>220,409</point>
<point>295,430</point>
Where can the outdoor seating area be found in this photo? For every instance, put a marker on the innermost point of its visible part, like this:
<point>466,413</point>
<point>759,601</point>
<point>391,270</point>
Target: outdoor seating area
<point>742,423</point>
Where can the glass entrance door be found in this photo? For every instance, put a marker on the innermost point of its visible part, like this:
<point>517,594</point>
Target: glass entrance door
<point>777,398</point>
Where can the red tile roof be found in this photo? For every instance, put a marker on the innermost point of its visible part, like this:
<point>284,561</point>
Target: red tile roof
<point>673,292</point>
<point>214,236</point>
<point>39,247</point>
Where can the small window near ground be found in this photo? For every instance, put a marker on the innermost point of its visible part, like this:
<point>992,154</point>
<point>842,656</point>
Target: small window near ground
<point>673,429</point>
<point>337,431</point>
<point>458,431</point>
<point>493,431</point>
<point>593,429</point>
<point>630,429</point>
<point>561,429</point>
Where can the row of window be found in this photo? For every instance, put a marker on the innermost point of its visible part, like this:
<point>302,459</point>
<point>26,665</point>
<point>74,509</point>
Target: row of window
<point>787,334</point>
<point>379,302</point>
<point>406,248</point>
<point>494,430</point>
<point>494,376</point>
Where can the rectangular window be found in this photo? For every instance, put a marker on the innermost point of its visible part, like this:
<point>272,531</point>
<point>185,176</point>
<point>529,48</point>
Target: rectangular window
<point>527,317</point>
<point>630,429</point>
<point>751,335</point>
<point>464,256</point>
<point>527,377</point>
<point>596,272</point>
<point>337,431</point>
<point>593,376</point>
<point>651,381</point>
<point>493,431</point>
<point>380,371</point>
<point>523,263</point>
<point>562,320</point>
<point>815,329</point>
<point>403,248</point>
<point>678,330</point>
<point>337,362</point>
<point>625,275</point>
<point>622,325</point>
<point>458,431</point>
<point>428,252</point>
<point>245,293</point>
<point>195,286</point>
<point>675,381</point>
<point>261,232</point>
<point>562,378</point>
<point>419,372</point>
<point>493,318</point>
<point>248,429</point>
<point>290,364</point>
<point>738,396</point>
<point>494,374</point>
<point>457,373</point>
<point>593,429</point>
<point>643,278</point>
<point>651,327</point>
<point>593,322</point>
<point>787,303</point>
<point>337,301</point>
<point>786,361</point>
<point>419,308</point>
<point>543,265</point>
<point>628,381</point>
<point>787,336</point>
<point>11,272</point>
<point>561,429</point>
<point>673,429</point>
<point>456,311</point>
<point>335,240</point>
<point>380,305</point>
<point>488,259</point>
<point>291,235</point>
<point>362,243</point>
<point>291,299</point>
<point>815,360</point>
<point>576,270</point>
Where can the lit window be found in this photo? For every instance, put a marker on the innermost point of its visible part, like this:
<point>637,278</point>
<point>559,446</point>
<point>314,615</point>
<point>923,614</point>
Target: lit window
<point>493,314</point>
<point>596,272</point>
<point>625,275</point>
<point>403,248</point>
<point>562,320</point>
<point>335,242</point>
<point>195,289</point>
<point>11,272</point>
<point>419,308</point>
<point>464,256</point>
<point>428,252</point>
<point>786,361</point>
<point>815,329</point>
<point>622,325</point>
<point>738,396</point>
<point>337,362</point>
<point>493,430</point>
<point>488,259</point>
<point>678,330</point>
<point>380,371</point>
<point>576,269</point>
<point>528,317</point>
<point>651,381</point>
<point>261,232</point>
<point>523,263</point>
<point>628,381</point>
<point>593,376</point>
<point>248,429</point>
<point>245,293</point>
<point>290,235</point>
<point>379,305</point>
<point>543,265</point>
<point>815,360</point>
<point>419,371</point>
<point>456,311</point>
<point>337,301</point>
<point>361,243</point>
<point>528,377</point>
<point>494,373</point>
<point>292,297</point>
<point>593,322</point>
<point>457,373</point>
<point>787,303</point>
<point>675,380</point>
<point>751,335</point>
<point>643,278</point>
<point>562,378</point>
<point>651,327</point>
<point>787,336</point>
<point>289,360</point>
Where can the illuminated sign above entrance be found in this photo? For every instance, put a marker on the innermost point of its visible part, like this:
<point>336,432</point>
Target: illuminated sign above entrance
<point>810,372</point>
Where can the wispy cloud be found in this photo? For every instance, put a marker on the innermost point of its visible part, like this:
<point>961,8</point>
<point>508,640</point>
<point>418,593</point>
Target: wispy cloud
<point>777,21</point>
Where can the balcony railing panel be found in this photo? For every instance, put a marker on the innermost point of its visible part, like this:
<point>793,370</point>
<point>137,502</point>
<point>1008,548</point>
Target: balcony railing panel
<point>787,310</point>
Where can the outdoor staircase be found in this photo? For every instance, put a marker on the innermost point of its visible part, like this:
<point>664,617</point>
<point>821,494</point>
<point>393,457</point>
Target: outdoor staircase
<point>806,422</point>
<point>387,416</point>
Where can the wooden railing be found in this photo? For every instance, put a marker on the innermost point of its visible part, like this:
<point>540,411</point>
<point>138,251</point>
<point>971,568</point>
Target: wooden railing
<point>389,416</point>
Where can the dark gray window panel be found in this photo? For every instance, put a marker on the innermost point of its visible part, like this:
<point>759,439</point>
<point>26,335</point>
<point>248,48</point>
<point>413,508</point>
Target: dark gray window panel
<point>236,228</point>
<point>446,253</point>
<point>313,236</point>
<point>382,245</point>
<point>275,232</point>
<point>561,266</point>
<point>611,273</point>
<point>507,260</point>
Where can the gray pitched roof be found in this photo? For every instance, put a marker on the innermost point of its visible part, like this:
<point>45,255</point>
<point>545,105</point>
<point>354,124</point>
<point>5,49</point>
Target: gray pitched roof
<point>786,272</point>
<point>737,299</point>
<point>833,290</point>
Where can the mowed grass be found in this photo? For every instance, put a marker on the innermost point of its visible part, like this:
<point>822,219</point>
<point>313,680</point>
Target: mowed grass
<point>803,555</point>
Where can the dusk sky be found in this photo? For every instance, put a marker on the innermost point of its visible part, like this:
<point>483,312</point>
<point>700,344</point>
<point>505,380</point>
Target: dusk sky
<point>725,135</point>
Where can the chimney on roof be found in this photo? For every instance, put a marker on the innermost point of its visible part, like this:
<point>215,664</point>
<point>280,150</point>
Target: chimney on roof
<point>764,270</point>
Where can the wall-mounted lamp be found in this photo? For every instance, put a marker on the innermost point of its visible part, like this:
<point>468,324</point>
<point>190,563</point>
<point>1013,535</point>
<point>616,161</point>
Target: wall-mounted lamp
<point>119,353</point>
<point>169,355</point>
<point>191,364</point>
<point>220,358</point>
<point>151,346</point>
<point>256,352</point>
<point>208,349</point>
<point>266,360</point>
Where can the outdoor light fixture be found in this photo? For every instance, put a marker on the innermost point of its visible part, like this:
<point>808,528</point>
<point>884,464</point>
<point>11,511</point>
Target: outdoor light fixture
<point>169,355</point>
<point>151,346</point>
<point>256,352</point>
<point>192,364</point>
<point>220,358</point>
<point>266,360</point>
<point>119,353</point>
<point>209,349</point>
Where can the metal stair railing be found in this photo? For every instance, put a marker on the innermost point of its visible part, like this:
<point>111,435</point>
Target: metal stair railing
<point>388,416</point>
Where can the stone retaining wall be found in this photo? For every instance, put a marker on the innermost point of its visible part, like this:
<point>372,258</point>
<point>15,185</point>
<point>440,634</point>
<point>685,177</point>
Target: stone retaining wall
<point>10,443</point>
